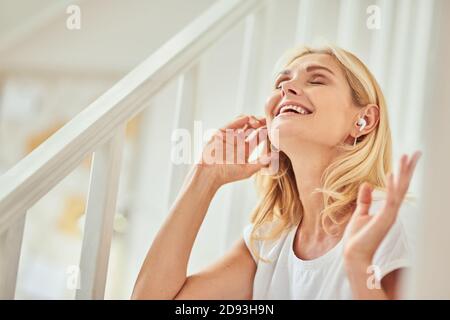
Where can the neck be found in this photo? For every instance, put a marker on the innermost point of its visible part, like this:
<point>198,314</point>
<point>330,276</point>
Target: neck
<point>308,169</point>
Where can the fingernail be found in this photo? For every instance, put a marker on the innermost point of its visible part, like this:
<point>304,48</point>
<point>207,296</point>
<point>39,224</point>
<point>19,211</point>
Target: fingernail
<point>253,121</point>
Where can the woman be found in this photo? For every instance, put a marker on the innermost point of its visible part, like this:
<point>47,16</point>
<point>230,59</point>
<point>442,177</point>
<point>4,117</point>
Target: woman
<point>311,236</point>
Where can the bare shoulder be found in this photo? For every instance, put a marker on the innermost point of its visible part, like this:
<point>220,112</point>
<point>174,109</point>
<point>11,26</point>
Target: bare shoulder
<point>230,277</point>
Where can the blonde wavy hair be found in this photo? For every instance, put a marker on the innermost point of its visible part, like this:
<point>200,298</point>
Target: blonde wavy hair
<point>369,161</point>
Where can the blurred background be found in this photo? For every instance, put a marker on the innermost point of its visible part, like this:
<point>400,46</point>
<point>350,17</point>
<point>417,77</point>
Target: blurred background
<point>49,73</point>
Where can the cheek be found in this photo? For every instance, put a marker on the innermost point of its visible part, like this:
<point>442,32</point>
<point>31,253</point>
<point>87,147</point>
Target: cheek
<point>333,112</point>
<point>271,103</point>
<point>327,98</point>
<point>332,127</point>
<point>269,108</point>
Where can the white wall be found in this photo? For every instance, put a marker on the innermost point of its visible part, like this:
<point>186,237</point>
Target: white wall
<point>114,36</point>
<point>431,279</point>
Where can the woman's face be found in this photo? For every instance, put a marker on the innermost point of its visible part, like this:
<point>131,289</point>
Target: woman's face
<point>316,84</point>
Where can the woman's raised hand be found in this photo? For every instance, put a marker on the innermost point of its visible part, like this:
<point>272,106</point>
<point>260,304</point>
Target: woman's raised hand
<point>226,155</point>
<point>366,232</point>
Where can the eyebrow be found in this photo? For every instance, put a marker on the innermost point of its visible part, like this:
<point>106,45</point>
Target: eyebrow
<point>309,68</point>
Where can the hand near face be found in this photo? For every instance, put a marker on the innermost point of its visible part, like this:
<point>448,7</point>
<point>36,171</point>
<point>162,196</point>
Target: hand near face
<point>226,155</point>
<point>366,232</point>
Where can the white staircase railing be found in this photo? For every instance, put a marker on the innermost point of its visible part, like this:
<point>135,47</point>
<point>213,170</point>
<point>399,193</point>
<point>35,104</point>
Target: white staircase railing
<point>99,129</point>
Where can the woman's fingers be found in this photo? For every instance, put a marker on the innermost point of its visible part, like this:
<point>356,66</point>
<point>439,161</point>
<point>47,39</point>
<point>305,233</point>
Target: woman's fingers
<point>403,177</point>
<point>245,123</point>
<point>375,228</point>
<point>236,146</point>
<point>249,130</point>
<point>412,165</point>
<point>407,167</point>
<point>237,123</point>
<point>403,165</point>
<point>364,199</point>
<point>256,123</point>
<point>253,122</point>
<point>262,120</point>
<point>396,190</point>
<point>392,196</point>
<point>383,221</point>
<point>255,139</point>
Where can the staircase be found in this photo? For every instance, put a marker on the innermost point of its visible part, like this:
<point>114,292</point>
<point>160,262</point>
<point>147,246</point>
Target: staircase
<point>99,130</point>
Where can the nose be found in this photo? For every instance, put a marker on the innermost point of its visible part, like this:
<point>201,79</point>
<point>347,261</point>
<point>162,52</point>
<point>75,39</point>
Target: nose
<point>288,88</point>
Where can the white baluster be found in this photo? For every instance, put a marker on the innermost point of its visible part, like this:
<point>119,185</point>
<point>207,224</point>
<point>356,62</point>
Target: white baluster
<point>184,119</point>
<point>247,100</point>
<point>399,70</point>
<point>380,49</point>
<point>10,248</point>
<point>101,207</point>
<point>304,22</point>
<point>348,24</point>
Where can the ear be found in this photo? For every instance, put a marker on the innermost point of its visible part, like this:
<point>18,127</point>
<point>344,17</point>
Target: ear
<point>372,116</point>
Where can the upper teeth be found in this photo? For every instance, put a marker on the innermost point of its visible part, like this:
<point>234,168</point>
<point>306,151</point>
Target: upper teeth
<point>295,108</point>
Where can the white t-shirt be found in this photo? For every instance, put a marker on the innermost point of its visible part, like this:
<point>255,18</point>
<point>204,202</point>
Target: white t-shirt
<point>289,277</point>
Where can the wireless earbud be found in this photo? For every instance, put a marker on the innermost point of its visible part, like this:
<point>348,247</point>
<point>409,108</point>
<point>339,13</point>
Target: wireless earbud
<point>361,123</point>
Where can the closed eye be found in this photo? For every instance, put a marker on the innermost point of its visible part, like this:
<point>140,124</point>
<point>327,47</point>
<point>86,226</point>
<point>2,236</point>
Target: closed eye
<point>317,79</point>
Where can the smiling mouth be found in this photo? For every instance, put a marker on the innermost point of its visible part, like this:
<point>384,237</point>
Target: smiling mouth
<point>293,110</point>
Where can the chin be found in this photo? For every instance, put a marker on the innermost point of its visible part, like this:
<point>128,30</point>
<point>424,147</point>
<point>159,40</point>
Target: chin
<point>285,135</point>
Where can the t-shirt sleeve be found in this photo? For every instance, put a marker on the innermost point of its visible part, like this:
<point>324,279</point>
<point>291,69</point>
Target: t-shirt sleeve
<point>394,251</point>
<point>256,245</point>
